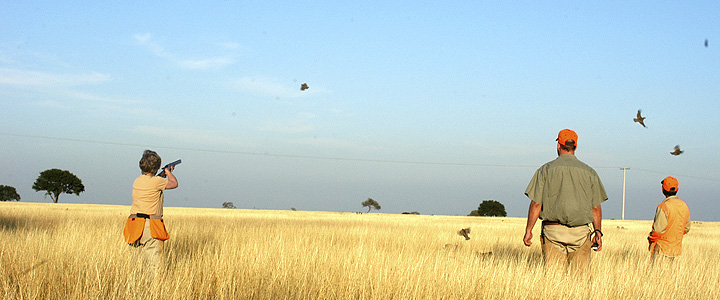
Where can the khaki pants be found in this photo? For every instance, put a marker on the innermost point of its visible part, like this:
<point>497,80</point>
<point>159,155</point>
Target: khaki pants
<point>149,247</point>
<point>566,248</point>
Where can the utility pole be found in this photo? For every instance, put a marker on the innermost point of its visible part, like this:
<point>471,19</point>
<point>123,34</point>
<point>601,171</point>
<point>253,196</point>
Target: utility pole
<point>624,169</point>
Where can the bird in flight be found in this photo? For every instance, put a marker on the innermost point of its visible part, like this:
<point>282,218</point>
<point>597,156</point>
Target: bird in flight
<point>304,86</point>
<point>677,151</point>
<point>706,43</point>
<point>464,232</point>
<point>640,119</point>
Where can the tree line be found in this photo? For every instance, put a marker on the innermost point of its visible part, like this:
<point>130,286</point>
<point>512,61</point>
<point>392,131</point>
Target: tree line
<point>53,181</point>
<point>56,182</point>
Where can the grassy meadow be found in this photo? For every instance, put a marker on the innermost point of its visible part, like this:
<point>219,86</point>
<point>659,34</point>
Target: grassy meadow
<point>70,251</point>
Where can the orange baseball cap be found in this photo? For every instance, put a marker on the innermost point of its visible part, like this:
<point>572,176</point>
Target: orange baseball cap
<point>670,184</point>
<point>566,135</point>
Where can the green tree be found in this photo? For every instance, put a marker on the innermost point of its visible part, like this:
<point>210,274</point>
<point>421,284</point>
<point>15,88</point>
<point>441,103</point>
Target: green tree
<point>8,193</point>
<point>228,205</point>
<point>490,208</point>
<point>55,182</point>
<point>370,204</point>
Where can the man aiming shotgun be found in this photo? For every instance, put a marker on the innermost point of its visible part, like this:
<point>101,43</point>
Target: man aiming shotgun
<point>144,228</point>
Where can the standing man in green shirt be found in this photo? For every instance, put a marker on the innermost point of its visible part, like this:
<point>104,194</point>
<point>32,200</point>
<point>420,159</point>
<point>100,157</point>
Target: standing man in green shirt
<point>566,194</point>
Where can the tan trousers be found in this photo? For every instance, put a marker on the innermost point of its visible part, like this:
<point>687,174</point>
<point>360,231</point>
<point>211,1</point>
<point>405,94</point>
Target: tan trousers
<point>149,247</point>
<point>565,248</point>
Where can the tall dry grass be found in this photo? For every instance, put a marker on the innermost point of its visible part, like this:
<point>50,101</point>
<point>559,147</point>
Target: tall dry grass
<point>63,251</point>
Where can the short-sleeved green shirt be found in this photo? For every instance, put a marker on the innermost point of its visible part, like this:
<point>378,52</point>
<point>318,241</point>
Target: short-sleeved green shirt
<point>567,189</point>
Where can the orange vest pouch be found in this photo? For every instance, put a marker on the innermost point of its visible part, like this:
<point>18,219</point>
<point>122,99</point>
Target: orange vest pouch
<point>157,229</point>
<point>133,229</point>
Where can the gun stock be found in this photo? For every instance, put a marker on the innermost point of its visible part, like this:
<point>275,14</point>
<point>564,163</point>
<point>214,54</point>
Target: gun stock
<point>172,164</point>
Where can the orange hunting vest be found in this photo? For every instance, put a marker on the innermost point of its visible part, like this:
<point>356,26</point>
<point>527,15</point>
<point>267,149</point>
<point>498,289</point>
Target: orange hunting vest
<point>670,241</point>
<point>135,225</point>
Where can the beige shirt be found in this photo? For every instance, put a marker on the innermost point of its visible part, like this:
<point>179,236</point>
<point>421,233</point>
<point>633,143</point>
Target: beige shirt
<point>567,189</point>
<point>147,195</point>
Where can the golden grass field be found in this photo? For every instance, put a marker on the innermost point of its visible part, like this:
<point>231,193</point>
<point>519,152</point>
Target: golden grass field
<point>70,251</point>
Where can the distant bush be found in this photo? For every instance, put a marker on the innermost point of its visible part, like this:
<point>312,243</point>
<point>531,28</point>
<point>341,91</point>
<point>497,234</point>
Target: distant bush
<point>489,208</point>
<point>410,213</point>
<point>8,193</point>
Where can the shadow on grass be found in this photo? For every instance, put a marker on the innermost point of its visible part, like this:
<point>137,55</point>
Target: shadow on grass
<point>499,253</point>
<point>184,249</point>
<point>12,224</point>
<point>513,254</point>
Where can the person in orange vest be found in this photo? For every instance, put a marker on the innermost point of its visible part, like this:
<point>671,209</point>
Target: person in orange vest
<point>144,228</point>
<point>672,222</point>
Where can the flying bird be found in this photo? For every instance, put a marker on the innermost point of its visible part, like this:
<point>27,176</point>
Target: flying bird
<point>640,119</point>
<point>705,43</point>
<point>677,151</point>
<point>304,86</point>
<point>464,232</point>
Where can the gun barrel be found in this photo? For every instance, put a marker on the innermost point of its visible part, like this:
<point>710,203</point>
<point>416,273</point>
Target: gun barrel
<point>175,163</point>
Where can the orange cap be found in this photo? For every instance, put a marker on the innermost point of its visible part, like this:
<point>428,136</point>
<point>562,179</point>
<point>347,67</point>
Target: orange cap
<point>566,135</point>
<point>670,184</point>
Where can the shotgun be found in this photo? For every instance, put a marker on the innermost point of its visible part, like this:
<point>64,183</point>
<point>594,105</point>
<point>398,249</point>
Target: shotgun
<point>172,164</point>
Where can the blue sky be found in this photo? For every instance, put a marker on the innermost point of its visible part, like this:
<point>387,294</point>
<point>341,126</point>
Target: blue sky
<point>428,107</point>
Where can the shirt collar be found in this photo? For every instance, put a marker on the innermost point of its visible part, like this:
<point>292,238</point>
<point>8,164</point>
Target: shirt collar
<point>670,197</point>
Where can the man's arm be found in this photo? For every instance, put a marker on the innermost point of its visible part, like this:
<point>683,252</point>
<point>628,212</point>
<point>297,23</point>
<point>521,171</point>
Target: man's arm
<point>533,215</point>
<point>660,221</point>
<point>172,181</point>
<point>597,225</point>
<point>659,226</point>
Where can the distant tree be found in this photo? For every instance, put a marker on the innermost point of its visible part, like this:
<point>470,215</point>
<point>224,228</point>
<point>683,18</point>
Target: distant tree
<point>370,204</point>
<point>8,193</point>
<point>228,205</point>
<point>55,182</point>
<point>410,213</point>
<point>293,209</point>
<point>489,208</point>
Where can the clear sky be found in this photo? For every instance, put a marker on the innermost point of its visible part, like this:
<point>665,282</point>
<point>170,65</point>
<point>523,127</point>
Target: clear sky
<point>430,107</point>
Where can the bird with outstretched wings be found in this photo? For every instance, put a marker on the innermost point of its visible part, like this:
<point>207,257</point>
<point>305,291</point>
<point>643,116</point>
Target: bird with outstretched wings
<point>304,86</point>
<point>640,119</point>
<point>465,233</point>
<point>677,151</point>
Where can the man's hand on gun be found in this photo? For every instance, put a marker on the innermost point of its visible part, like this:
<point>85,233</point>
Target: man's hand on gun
<point>169,168</point>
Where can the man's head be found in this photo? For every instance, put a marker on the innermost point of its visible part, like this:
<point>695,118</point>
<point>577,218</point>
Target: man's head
<point>567,141</point>
<point>150,162</point>
<point>669,186</point>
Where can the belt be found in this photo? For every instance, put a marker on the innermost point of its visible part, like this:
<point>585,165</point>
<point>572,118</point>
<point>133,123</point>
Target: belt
<point>558,223</point>
<point>144,216</point>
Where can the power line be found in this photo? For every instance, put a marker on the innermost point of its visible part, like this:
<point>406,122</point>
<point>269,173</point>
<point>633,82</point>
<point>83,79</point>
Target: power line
<point>410,162</point>
<point>271,154</point>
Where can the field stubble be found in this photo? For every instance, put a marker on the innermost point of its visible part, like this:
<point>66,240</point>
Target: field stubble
<point>65,251</point>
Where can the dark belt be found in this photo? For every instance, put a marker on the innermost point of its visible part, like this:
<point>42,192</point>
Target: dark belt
<point>144,216</point>
<point>558,223</point>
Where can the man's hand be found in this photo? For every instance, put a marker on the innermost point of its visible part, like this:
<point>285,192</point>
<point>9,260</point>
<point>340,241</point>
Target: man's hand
<point>527,240</point>
<point>533,214</point>
<point>597,239</point>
